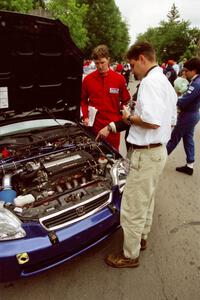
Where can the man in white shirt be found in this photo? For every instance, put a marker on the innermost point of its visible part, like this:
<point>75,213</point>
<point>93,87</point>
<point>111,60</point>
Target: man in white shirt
<point>150,129</point>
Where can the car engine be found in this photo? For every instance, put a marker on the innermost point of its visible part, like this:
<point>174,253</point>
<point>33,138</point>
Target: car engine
<point>58,176</point>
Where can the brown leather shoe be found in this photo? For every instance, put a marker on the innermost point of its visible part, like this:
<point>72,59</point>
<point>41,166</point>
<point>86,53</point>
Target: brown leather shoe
<point>120,261</point>
<point>143,244</point>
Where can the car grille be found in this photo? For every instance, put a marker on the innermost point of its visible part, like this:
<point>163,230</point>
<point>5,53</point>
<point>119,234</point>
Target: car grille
<point>77,212</point>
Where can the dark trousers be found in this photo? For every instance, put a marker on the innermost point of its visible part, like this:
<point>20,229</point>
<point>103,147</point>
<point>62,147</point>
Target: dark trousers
<point>184,129</point>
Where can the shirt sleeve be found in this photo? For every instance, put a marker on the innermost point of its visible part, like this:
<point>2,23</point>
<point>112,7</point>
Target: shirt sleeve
<point>189,97</point>
<point>84,100</point>
<point>125,95</point>
<point>152,109</point>
<point>174,115</point>
<point>121,126</point>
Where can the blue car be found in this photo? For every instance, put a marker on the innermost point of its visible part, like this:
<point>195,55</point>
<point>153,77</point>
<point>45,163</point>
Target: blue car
<point>60,190</point>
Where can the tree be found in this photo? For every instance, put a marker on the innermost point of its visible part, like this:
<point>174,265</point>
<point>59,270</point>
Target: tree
<point>23,6</point>
<point>173,39</point>
<point>173,15</point>
<point>198,48</point>
<point>72,14</point>
<point>105,26</point>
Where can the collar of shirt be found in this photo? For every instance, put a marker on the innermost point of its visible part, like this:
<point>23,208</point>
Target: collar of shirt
<point>150,70</point>
<point>98,74</point>
<point>194,77</point>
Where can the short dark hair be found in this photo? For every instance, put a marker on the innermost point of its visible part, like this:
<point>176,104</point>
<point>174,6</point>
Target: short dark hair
<point>101,51</point>
<point>193,64</point>
<point>139,48</point>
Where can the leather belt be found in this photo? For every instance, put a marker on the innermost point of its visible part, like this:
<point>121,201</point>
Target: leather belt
<point>133,146</point>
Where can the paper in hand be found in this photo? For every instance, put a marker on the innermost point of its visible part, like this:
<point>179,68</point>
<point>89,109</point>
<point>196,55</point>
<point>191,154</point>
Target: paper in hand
<point>92,114</point>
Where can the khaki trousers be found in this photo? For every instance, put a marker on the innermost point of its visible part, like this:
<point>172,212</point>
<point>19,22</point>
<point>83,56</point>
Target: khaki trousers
<point>138,197</point>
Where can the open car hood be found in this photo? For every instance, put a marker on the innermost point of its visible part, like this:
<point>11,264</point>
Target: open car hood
<point>40,69</point>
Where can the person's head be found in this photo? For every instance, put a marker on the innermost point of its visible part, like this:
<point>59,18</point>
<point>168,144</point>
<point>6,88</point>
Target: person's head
<point>170,62</point>
<point>142,57</point>
<point>101,57</point>
<point>191,67</point>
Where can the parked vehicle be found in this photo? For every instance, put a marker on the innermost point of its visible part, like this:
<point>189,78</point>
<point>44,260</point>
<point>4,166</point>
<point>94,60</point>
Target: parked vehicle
<point>60,190</point>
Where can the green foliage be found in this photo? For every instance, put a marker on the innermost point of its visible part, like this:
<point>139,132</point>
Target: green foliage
<point>105,26</point>
<point>23,6</point>
<point>73,15</point>
<point>173,39</point>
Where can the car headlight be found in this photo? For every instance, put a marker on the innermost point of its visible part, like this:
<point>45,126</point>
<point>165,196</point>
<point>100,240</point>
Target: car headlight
<point>10,225</point>
<point>119,171</point>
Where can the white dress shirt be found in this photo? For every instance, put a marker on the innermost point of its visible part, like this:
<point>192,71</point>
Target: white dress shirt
<point>156,104</point>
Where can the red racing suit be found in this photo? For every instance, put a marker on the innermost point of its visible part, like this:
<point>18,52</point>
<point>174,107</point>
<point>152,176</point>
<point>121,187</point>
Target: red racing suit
<point>108,94</point>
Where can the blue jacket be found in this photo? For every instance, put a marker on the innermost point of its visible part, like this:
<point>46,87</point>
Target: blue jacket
<point>190,101</point>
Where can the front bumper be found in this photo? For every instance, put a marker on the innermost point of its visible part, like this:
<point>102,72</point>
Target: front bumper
<point>41,250</point>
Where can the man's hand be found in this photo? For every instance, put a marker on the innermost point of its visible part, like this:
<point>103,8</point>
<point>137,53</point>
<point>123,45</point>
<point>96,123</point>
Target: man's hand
<point>103,133</point>
<point>125,114</point>
<point>86,122</point>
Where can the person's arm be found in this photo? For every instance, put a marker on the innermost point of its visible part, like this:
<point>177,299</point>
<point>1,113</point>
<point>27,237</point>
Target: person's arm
<point>121,126</point>
<point>117,126</point>
<point>84,103</point>
<point>174,114</point>
<point>124,93</point>
<point>136,120</point>
<point>189,97</point>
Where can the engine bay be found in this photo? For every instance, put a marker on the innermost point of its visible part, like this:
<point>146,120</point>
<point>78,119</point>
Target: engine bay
<point>57,174</point>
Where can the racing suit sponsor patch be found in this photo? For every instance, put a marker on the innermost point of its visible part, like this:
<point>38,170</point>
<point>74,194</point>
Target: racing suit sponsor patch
<point>190,89</point>
<point>114,91</point>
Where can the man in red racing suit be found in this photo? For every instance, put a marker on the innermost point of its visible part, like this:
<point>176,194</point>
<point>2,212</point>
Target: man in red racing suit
<point>105,90</point>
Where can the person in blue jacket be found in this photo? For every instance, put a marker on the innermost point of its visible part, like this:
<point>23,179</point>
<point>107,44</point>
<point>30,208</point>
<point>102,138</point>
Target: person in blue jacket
<point>188,105</point>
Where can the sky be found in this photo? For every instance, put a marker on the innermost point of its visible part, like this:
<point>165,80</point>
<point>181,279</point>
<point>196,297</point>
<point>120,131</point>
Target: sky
<point>142,14</point>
